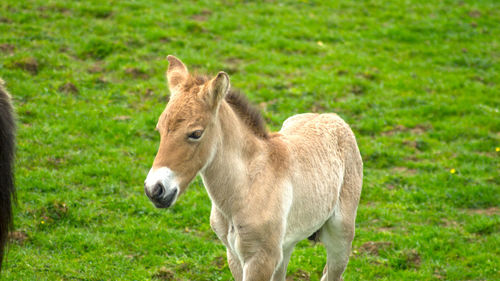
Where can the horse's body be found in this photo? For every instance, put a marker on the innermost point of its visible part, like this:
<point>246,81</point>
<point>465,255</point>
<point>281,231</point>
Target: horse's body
<point>268,190</point>
<point>7,133</point>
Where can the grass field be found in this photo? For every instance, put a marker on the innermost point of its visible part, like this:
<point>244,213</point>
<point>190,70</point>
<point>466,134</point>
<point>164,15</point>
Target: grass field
<point>417,80</point>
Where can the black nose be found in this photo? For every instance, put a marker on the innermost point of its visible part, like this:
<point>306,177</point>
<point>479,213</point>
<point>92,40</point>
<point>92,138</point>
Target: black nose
<point>158,190</point>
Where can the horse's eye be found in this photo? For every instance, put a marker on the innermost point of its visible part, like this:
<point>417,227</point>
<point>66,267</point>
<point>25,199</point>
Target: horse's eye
<point>196,134</point>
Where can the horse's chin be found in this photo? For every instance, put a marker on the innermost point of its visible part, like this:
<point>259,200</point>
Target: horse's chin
<point>162,206</point>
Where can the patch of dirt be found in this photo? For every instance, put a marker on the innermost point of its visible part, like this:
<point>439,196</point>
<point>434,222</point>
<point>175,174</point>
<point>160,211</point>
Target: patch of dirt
<point>489,211</point>
<point>478,78</point>
<point>385,229</point>
<point>396,129</point>
<point>358,89</point>
<point>404,170</point>
<point>136,73</point>
<point>219,262</point>
<point>413,258</point>
<point>417,130</point>
<point>475,14</point>
<point>60,207</point>
<point>195,27</point>
<point>300,275</point>
<point>232,65</point>
<point>29,64</point>
<point>449,223</point>
<point>68,88</point>
<point>55,161</point>
<point>367,75</point>
<point>53,212</point>
<point>373,248</point>
<point>102,80</point>
<point>95,68</point>
<point>7,48</point>
<point>148,92</point>
<point>318,107</point>
<point>410,143</point>
<point>342,72</point>
<point>164,274</point>
<point>412,158</point>
<point>165,39</point>
<point>439,274</point>
<point>63,49</point>
<point>54,8</point>
<point>5,20</point>
<point>121,118</point>
<point>202,16</point>
<point>133,256</point>
<point>18,237</point>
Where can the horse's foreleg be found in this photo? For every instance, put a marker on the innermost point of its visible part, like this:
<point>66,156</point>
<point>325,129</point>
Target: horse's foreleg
<point>280,273</point>
<point>234,266</point>
<point>261,266</point>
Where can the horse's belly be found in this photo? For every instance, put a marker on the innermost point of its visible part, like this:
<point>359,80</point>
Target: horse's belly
<point>313,204</point>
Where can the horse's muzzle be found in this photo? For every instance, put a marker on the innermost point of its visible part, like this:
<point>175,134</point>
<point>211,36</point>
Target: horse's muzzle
<point>161,196</point>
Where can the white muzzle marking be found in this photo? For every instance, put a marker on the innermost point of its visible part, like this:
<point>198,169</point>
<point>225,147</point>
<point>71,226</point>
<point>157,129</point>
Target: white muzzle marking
<point>167,179</point>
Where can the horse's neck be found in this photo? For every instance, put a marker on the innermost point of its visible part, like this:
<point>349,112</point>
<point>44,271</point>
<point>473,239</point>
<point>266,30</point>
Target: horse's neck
<point>226,176</point>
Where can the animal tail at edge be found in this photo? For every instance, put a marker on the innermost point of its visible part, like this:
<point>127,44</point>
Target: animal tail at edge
<point>7,151</point>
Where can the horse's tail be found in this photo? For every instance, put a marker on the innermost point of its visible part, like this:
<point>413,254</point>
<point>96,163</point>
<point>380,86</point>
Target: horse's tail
<point>7,147</point>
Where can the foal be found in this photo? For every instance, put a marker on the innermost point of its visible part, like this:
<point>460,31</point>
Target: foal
<point>268,190</point>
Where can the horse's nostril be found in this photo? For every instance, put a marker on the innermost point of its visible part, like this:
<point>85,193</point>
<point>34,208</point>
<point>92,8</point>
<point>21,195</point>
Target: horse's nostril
<point>158,190</point>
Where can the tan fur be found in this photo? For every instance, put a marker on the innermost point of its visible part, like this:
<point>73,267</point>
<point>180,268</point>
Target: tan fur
<point>268,191</point>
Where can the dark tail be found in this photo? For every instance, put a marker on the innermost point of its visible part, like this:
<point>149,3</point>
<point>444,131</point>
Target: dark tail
<point>7,147</point>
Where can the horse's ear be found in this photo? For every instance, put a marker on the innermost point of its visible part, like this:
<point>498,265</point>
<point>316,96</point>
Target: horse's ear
<point>177,72</point>
<point>219,86</point>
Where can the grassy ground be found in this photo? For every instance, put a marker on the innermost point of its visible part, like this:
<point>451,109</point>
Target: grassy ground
<point>417,80</point>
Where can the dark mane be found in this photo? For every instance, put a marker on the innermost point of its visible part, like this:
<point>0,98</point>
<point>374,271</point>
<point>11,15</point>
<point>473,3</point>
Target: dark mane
<point>248,113</point>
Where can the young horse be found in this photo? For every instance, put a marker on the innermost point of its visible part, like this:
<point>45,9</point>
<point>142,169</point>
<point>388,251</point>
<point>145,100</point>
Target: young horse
<point>7,191</point>
<point>268,190</point>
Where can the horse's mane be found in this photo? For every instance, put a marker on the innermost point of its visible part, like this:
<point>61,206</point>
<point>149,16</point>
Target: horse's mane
<point>248,113</point>
<point>7,189</point>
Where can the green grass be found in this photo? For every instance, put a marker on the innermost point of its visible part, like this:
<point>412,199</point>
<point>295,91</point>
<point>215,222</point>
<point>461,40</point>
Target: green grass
<point>417,80</point>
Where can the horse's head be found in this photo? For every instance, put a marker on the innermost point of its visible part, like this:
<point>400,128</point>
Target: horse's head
<point>188,132</point>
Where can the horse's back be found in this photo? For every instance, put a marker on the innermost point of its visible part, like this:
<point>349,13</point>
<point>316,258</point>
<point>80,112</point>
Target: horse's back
<point>314,123</point>
<point>323,144</point>
<point>326,133</point>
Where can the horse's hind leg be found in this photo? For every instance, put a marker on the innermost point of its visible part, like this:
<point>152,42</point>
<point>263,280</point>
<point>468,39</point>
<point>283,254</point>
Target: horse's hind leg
<point>338,231</point>
<point>337,235</point>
